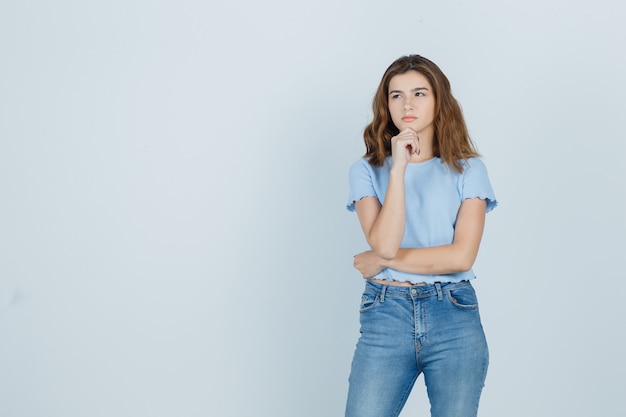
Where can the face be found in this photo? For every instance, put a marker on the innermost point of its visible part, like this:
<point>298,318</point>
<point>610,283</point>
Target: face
<point>412,103</point>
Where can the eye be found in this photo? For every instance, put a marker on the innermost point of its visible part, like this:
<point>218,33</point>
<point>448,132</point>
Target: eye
<point>419,94</point>
<point>395,96</point>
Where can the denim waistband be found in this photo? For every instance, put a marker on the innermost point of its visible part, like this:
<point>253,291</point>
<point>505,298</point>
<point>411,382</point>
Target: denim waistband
<point>420,291</point>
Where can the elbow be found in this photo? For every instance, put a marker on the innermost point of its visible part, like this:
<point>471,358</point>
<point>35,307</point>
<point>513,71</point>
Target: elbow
<point>464,266</point>
<point>465,262</point>
<point>386,253</point>
<point>386,250</point>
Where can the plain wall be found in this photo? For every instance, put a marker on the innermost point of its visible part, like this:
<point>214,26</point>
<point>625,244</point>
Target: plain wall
<point>173,180</point>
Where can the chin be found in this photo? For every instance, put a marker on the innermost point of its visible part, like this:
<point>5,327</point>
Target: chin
<point>401,126</point>
<point>416,129</point>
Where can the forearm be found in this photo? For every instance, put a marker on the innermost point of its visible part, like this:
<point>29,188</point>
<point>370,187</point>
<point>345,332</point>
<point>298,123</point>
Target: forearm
<point>457,256</point>
<point>446,259</point>
<point>387,232</point>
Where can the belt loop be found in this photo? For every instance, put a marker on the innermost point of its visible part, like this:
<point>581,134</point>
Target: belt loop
<point>382,293</point>
<point>439,293</point>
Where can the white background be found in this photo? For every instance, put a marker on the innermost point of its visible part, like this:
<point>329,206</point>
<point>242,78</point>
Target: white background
<point>173,180</point>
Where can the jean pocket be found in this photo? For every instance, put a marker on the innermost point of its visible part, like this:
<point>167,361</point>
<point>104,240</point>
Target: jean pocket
<point>463,297</point>
<point>368,302</point>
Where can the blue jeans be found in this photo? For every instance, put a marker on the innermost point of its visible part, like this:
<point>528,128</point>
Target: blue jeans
<point>406,331</point>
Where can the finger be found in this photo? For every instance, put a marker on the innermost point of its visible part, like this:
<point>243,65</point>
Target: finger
<point>410,132</point>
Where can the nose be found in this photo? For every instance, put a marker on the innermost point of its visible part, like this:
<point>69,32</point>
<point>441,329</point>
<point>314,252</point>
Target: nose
<point>408,105</point>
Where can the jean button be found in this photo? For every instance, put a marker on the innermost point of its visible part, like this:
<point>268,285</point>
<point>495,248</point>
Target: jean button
<point>413,291</point>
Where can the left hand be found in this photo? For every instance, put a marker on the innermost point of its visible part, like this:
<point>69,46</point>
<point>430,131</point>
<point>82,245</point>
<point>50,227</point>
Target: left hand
<point>368,263</point>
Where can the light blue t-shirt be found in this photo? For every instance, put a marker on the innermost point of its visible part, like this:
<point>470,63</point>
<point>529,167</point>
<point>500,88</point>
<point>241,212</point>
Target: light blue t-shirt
<point>434,193</point>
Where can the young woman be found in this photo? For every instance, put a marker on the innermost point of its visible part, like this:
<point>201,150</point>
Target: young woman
<point>421,195</point>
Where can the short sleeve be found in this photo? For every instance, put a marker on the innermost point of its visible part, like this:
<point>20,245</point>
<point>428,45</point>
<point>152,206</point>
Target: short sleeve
<point>476,183</point>
<point>360,182</point>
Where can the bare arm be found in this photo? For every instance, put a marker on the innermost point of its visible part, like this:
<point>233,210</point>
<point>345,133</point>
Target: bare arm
<point>383,226</point>
<point>446,259</point>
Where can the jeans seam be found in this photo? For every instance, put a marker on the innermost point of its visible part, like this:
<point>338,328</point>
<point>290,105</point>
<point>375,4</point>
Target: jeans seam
<point>405,397</point>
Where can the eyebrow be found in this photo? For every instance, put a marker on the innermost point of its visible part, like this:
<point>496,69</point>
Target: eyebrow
<point>413,90</point>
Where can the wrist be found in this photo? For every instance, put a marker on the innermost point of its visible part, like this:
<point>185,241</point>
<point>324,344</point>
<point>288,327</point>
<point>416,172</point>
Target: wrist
<point>384,263</point>
<point>396,173</point>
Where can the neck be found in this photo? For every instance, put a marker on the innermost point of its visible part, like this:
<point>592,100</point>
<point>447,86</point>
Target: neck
<point>426,150</point>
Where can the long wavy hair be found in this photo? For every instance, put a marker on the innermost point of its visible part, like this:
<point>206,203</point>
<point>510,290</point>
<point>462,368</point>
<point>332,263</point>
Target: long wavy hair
<point>451,141</point>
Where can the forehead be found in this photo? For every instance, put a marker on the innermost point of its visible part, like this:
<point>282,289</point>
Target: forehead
<point>408,81</point>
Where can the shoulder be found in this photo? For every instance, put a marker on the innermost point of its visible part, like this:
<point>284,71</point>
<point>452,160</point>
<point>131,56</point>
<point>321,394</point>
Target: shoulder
<point>362,165</point>
<point>474,166</point>
<point>473,163</point>
<point>359,164</point>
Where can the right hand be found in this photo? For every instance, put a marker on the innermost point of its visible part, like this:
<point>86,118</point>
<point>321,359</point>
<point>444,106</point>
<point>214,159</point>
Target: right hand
<point>368,263</point>
<point>403,146</point>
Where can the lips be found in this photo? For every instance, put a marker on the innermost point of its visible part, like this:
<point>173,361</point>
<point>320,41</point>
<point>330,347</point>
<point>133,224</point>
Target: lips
<point>409,119</point>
